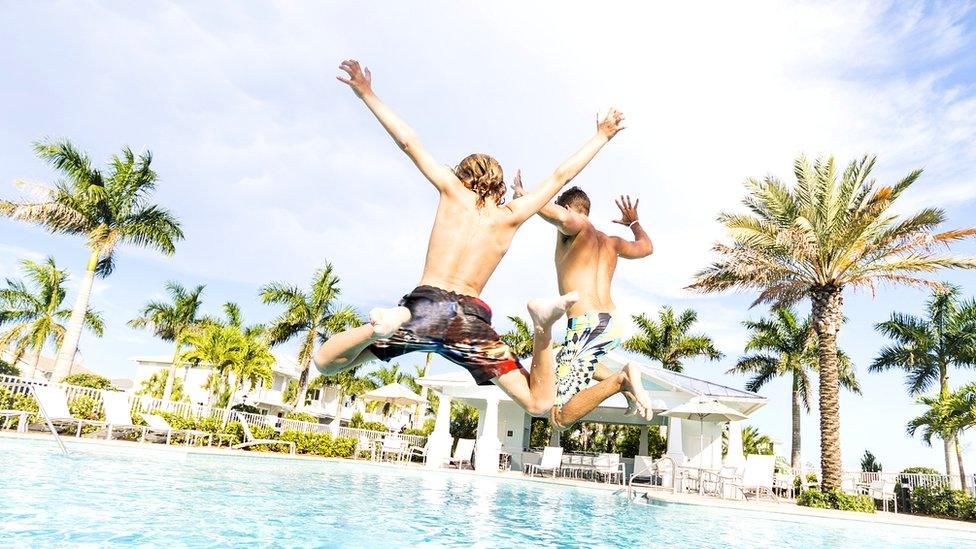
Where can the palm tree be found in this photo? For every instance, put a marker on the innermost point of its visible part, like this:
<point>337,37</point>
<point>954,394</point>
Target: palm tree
<point>946,418</point>
<point>155,384</point>
<point>107,208</point>
<point>172,322</point>
<point>829,232</point>
<point>33,311</point>
<point>315,316</point>
<point>348,383</point>
<point>221,348</point>
<point>925,348</point>
<point>753,442</point>
<point>386,375</point>
<point>519,338</point>
<point>667,340</point>
<point>787,346</point>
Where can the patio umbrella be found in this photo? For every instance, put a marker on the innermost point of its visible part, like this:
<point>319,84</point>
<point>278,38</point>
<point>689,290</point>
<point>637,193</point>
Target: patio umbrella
<point>395,394</point>
<point>704,408</point>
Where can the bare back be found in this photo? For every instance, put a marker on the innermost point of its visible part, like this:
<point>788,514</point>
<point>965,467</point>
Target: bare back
<point>467,243</point>
<point>585,263</point>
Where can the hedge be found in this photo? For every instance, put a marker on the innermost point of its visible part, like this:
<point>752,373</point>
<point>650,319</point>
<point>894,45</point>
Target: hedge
<point>302,416</point>
<point>943,502</point>
<point>835,499</point>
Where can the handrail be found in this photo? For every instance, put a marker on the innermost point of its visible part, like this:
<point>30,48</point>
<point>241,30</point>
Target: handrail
<point>50,426</point>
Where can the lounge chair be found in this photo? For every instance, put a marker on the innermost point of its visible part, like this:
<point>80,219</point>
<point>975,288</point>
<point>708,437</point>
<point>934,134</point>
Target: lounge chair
<point>885,491</point>
<point>758,477</point>
<point>551,462</point>
<point>249,439</point>
<point>462,453</point>
<point>644,468</point>
<point>118,415</point>
<point>609,467</point>
<point>54,402</point>
<point>159,424</point>
<point>22,419</point>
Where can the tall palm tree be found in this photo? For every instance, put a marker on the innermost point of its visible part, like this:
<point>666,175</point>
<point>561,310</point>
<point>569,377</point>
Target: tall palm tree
<point>33,312</point>
<point>947,417</point>
<point>519,338</point>
<point>314,316</point>
<point>171,321</point>
<point>787,346</point>
<point>925,348</point>
<point>829,232</point>
<point>221,348</point>
<point>667,340</point>
<point>107,208</point>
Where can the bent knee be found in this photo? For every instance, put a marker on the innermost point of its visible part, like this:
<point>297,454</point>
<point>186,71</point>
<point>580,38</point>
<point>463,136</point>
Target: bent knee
<point>538,408</point>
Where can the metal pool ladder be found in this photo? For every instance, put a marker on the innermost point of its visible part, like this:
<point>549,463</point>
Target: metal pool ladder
<point>47,419</point>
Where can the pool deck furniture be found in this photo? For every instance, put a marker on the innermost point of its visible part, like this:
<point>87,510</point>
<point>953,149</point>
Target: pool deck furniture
<point>551,462</point>
<point>54,402</point>
<point>118,415</point>
<point>249,439</point>
<point>758,477</point>
<point>23,418</point>
<point>393,448</point>
<point>609,469</point>
<point>418,451</point>
<point>159,424</point>
<point>885,491</point>
<point>462,453</point>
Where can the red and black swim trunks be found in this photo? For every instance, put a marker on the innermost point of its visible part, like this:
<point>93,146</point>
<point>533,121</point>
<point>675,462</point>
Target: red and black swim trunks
<point>455,326</point>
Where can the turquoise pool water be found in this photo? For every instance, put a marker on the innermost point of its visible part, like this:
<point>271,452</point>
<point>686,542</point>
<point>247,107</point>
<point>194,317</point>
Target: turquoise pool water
<point>47,499</point>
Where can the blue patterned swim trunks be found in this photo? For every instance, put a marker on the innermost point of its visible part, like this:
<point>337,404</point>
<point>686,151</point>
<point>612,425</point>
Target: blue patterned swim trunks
<point>588,338</point>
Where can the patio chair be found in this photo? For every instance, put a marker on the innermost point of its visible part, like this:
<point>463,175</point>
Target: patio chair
<point>758,477</point>
<point>848,485</point>
<point>159,424</point>
<point>885,491</point>
<point>609,468</point>
<point>644,468</point>
<point>22,419</point>
<point>364,444</point>
<point>462,453</point>
<point>118,415</point>
<point>393,446</point>
<point>249,439</point>
<point>54,402</point>
<point>419,451</point>
<point>551,462</point>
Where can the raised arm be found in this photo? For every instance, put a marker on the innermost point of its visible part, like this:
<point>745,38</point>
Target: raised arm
<point>565,220</point>
<point>641,246</point>
<point>360,80</point>
<point>531,202</point>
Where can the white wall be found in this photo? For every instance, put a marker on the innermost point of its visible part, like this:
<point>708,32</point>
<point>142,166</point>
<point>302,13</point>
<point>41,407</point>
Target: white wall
<point>710,447</point>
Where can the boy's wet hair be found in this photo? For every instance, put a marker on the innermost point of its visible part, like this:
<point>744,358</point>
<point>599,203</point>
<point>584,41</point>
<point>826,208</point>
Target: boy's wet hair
<point>575,198</point>
<point>482,174</point>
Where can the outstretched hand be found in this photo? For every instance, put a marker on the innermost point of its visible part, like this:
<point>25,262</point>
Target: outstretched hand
<point>611,123</point>
<point>359,78</point>
<point>517,188</point>
<point>628,211</point>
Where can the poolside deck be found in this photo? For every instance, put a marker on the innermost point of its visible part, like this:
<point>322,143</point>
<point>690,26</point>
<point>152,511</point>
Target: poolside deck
<point>117,447</point>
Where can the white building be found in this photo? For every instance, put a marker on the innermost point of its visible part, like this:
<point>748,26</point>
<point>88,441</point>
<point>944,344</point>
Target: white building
<point>269,399</point>
<point>45,367</point>
<point>503,426</point>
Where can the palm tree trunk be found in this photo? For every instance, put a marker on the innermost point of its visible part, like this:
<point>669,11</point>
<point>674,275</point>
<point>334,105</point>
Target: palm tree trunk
<point>171,374</point>
<point>827,315</point>
<point>305,361</point>
<point>795,460</point>
<point>953,467</point>
<point>418,416</point>
<point>66,354</point>
<point>962,469</point>
<point>337,419</point>
<point>37,360</point>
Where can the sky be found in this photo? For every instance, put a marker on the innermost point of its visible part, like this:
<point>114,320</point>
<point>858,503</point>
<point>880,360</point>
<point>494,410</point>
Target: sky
<point>275,168</point>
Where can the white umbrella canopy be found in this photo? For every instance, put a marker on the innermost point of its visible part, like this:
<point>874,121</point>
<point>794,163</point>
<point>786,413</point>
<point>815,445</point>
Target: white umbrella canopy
<point>395,394</point>
<point>704,409</point>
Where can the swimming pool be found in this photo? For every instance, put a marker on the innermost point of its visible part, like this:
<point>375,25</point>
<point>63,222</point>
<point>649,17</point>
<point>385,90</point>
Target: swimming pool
<point>47,499</point>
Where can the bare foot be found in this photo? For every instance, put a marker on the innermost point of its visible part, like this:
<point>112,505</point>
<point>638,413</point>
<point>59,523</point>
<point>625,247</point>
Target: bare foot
<point>387,321</point>
<point>635,385</point>
<point>545,312</point>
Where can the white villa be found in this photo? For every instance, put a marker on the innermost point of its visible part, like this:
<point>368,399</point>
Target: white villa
<point>323,402</point>
<point>503,426</point>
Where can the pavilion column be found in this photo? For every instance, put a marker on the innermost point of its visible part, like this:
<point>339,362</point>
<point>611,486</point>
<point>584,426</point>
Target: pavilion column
<point>486,449</point>
<point>642,445</point>
<point>555,439</point>
<point>440,440</point>
<point>735,457</point>
<point>675,444</point>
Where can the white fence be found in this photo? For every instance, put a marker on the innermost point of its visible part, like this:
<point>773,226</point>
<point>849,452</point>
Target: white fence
<point>147,404</point>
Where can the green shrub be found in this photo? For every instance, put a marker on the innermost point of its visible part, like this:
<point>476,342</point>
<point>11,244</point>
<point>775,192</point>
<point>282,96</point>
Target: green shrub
<point>246,408</point>
<point>302,416</point>
<point>7,369</point>
<point>835,499</point>
<point>920,471</point>
<point>943,502</point>
<point>320,444</point>
<point>357,422</point>
<point>424,431</point>
<point>94,381</point>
